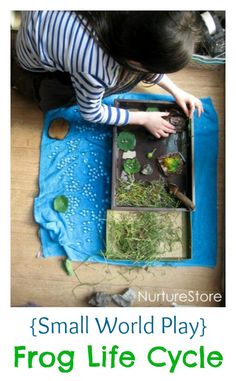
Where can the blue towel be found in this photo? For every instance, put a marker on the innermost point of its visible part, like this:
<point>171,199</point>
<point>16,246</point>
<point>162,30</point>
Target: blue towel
<point>79,167</point>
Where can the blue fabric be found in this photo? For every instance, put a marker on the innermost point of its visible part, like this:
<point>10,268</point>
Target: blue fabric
<point>80,168</point>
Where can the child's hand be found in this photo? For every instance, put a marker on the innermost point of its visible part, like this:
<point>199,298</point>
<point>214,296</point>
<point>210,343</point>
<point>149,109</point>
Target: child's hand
<point>188,103</point>
<point>158,126</point>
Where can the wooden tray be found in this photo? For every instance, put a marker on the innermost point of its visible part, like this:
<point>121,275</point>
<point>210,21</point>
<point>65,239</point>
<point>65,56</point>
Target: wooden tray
<point>181,250</point>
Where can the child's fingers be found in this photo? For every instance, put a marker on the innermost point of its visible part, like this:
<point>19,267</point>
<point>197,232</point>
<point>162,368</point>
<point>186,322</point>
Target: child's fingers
<point>200,109</point>
<point>164,113</point>
<point>157,135</point>
<point>191,109</point>
<point>185,108</point>
<point>164,134</point>
<point>166,124</point>
<point>171,130</point>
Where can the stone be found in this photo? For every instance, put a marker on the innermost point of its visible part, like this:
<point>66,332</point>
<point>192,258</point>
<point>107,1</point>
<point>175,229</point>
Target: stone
<point>147,169</point>
<point>124,176</point>
<point>100,299</point>
<point>129,155</point>
<point>125,299</point>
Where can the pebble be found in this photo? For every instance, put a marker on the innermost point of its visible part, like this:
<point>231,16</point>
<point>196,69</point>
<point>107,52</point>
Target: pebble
<point>124,176</point>
<point>147,169</point>
<point>129,155</point>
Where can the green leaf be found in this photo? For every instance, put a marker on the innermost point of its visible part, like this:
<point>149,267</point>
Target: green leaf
<point>60,204</point>
<point>152,109</point>
<point>126,141</point>
<point>68,267</point>
<point>131,166</point>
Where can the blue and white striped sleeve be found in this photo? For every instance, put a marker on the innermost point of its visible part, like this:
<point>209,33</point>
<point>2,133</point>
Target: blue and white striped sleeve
<point>89,93</point>
<point>158,78</point>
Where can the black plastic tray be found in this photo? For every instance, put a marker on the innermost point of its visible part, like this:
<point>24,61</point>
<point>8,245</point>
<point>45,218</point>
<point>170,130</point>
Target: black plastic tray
<point>182,142</point>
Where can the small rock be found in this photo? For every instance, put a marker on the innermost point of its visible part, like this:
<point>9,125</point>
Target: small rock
<point>100,299</point>
<point>124,176</point>
<point>147,170</point>
<point>126,299</point>
<point>129,155</point>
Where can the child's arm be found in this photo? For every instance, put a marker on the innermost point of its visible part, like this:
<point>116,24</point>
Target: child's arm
<point>153,121</point>
<point>186,101</point>
<point>89,92</point>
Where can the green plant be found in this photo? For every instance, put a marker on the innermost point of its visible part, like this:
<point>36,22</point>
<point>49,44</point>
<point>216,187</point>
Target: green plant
<point>131,166</point>
<point>150,154</point>
<point>126,141</point>
<point>141,194</point>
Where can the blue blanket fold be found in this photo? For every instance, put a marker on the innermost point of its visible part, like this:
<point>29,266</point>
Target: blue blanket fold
<point>80,168</point>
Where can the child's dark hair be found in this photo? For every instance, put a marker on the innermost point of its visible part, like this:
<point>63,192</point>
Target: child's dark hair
<point>161,41</point>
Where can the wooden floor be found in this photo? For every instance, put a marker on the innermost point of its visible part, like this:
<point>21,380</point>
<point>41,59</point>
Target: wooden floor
<point>43,281</point>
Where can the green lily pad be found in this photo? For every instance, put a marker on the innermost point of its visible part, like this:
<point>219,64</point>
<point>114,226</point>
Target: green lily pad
<point>126,141</point>
<point>60,204</point>
<point>132,166</point>
<point>152,109</point>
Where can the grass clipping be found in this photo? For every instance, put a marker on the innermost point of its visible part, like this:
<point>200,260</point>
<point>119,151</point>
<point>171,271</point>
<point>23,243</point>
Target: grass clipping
<point>141,236</point>
<point>138,193</point>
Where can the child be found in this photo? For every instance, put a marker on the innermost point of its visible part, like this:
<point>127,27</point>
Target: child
<point>93,54</point>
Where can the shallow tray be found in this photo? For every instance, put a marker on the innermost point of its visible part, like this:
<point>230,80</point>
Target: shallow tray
<point>182,141</point>
<point>181,250</point>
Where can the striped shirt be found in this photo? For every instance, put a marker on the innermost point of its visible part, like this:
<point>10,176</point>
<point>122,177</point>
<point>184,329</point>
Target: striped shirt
<point>58,40</point>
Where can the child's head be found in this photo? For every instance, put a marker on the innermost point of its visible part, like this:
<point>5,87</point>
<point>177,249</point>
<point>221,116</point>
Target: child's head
<point>161,41</point>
